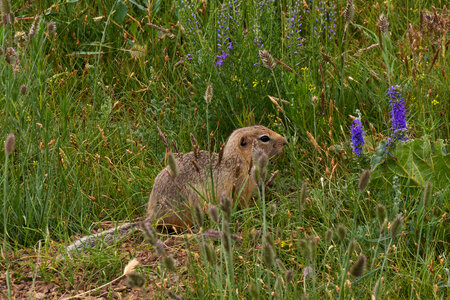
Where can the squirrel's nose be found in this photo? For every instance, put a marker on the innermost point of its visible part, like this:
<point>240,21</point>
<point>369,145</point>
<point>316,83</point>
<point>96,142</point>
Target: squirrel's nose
<point>284,142</point>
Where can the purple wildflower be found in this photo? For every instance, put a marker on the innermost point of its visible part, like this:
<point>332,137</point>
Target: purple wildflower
<point>323,18</point>
<point>357,136</point>
<point>190,22</point>
<point>294,23</point>
<point>229,18</point>
<point>398,116</point>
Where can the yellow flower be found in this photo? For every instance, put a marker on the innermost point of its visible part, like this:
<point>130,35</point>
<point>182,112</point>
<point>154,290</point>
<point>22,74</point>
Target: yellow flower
<point>304,69</point>
<point>435,102</point>
<point>35,163</point>
<point>28,118</point>
<point>255,83</point>
<point>311,88</point>
<point>234,78</point>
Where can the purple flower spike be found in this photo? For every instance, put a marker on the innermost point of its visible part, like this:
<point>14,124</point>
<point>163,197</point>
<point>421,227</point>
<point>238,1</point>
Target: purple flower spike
<point>398,116</point>
<point>357,136</point>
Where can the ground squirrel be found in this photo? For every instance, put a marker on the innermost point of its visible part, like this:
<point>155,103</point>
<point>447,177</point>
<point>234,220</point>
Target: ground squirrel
<point>173,197</point>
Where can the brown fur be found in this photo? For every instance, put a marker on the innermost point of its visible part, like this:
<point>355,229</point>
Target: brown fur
<point>171,200</point>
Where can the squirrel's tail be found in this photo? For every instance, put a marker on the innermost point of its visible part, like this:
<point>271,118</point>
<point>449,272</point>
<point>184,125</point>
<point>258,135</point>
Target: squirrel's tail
<point>108,236</point>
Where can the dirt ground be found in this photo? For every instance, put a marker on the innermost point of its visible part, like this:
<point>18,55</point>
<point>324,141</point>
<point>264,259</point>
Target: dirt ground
<point>27,282</point>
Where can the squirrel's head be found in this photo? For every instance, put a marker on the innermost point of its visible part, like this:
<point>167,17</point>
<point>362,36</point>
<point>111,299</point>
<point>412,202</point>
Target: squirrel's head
<point>246,139</point>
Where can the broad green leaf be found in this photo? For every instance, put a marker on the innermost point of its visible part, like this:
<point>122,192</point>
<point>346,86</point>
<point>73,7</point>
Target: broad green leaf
<point>414,162</point>
<point>121,12</point>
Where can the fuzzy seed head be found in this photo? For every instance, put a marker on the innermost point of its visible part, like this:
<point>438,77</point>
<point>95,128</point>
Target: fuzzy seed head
<point>10,144</point>
<point>210,254</point>
<point>349,12</point>
<point>6,6</point>
<point>226,206</point>
<point>395,226</point>
<point>214,213</point>
<point>358,267</point>
<point>226,238</point>
<point>198,214</point>
<point>160,248</point>
<point>351,247</point>
<point>380,213</point>
<point>149,232</point>
<point>364,180</point>
<point>208,94</point>
<point>383,24</point>
<point>328,235</point>
<point>51,27</point>
<point>267,59</point>
<point>289,275</point>
<point>427,194</point>
<point>304,247</point>
<point>169,263</point>
<point>129,268</point>
<point>23,89</point>
<point>268,254</point>
<point>303,193</point>
<point>341,231</point>
<point>34,27</point>
<point>174,171</point>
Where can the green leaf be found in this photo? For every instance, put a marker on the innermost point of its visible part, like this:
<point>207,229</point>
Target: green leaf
<point>414,162</point>
<point>121,12</point>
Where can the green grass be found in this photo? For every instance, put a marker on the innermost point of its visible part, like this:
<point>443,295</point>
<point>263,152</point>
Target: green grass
<point>87,147</point>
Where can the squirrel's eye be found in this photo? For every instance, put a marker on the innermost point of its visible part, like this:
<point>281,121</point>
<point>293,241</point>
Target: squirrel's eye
<point>264,138</point>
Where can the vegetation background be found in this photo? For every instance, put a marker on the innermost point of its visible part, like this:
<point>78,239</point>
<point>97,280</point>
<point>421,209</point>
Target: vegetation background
<point>86,84</point>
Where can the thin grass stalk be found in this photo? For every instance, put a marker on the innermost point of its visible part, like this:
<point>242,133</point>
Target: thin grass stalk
<point>420,219</point>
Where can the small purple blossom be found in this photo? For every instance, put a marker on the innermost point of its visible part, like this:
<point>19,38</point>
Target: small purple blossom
<point>229,18</point>
<point>294,24</point>
<point>357,136</point>
<point>398,116</point>
<point>190,22</point>
<point>324,18</point>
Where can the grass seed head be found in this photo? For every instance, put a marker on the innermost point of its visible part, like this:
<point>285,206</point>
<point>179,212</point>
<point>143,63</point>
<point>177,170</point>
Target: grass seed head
<point>51,27</point>
<point>210,254</point>
<point>214,213</point>
<point>351,247</point>
<point>129,268</point>
<point>341,232</point>
<point>23,89</point>
<point>226,238</point>
<point>380,213</point>
<point>34,26</point>
<point>10,144</point>
<point>160,248</point>
<point>267,59</point>
<point>349,12</point>
<point>329,235</point>
<point>149,232</point>
<point>169,263</point>
<point>383,24</point>
<point>226,206</point>
<point>208,94</point>
<point>174,171</point>
<point>358,267</point>
<point>427,194</point>
<point>268,254</point>
<point>364,180</point>
<point>395,226</point>
<point>303,193</point>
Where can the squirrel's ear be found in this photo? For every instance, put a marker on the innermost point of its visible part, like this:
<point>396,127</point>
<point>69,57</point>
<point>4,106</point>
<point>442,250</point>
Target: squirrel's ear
<point>243,141</point>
